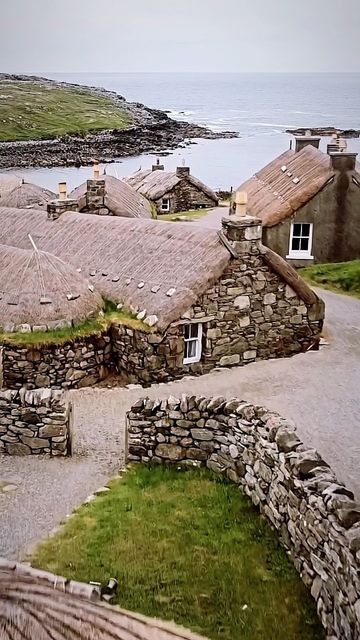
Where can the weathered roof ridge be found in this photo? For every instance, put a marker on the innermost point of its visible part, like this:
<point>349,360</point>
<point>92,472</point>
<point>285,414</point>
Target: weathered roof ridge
<point>155,184</point>
<point>40,289</point>
<point>120,197</point>
<point>276,191</point>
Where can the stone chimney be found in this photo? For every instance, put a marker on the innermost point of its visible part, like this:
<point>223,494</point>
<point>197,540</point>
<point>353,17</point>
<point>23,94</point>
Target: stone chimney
<point>337,144</point>
<point>182,172</point>
<point>95,192</point>
<point>243,233</point>
<point>303,141</point>
<point>56,207</point>
<point>157,166</point>
<point>343,160</point>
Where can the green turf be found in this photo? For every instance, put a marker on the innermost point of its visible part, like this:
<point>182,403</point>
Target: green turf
<point>187,546</point>
<point>342,277</point>
<point>183,216</point>
<point>34,110</point>
<point>90,327</point>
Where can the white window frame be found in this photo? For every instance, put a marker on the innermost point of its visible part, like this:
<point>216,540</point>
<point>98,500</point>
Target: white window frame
<point>197,340</point>
<point>301,254</point>
<point>167,206</point>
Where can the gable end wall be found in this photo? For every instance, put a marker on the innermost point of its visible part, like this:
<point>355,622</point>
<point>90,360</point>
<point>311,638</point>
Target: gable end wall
<point>248,314</point>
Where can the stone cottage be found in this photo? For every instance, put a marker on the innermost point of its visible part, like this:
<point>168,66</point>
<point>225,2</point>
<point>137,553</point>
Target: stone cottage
<point>309,203</point>
<point>201,298</point>
<point>172,191</point>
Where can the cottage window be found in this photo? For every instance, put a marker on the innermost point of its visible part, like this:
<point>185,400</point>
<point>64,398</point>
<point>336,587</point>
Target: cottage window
<point>192,342</point>
<point>165,204</point>
<point>301,240</point>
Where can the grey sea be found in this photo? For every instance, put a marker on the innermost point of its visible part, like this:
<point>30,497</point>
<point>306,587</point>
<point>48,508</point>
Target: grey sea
<point>259,106</point>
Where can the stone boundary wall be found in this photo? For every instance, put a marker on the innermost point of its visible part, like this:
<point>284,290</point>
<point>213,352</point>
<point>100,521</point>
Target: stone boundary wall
<point>315,515</point>
<point>73,364</point>
<point>34,422</point>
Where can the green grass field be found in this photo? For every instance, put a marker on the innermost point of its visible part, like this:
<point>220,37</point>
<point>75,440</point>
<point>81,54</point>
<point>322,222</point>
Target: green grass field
<point>90,327</point>
<point>32,111</point>
<point>186,546</point>
<point>183,216</point>
<point>342,277</point>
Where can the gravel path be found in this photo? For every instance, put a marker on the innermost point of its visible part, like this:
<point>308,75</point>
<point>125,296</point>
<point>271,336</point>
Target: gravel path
<point>319,391</point>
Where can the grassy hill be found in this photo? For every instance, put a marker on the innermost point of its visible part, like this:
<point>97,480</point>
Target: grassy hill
<point>33,110</point>
<point>342,277</point>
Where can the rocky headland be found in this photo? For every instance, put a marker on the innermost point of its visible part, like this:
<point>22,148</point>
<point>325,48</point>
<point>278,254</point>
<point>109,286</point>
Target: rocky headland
<point>146,130</point>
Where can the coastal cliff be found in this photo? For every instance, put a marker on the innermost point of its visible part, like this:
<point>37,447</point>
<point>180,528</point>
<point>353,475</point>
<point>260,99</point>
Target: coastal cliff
<point>46,123</point>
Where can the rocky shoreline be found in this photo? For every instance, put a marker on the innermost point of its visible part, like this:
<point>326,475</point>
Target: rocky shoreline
<point>325,131</point>
<point>152,131</point>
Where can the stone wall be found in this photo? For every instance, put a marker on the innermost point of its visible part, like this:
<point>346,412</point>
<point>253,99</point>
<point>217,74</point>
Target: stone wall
<point>74,364</point>
<point>185,196</point>
<point>34,422</point>
<point>315,515</point>
<point>249,313</point>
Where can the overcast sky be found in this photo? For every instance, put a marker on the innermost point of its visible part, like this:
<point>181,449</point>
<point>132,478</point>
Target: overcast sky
<point>179,35</point>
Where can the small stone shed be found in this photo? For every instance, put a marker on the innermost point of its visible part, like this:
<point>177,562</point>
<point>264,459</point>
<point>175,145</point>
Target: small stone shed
<point>172,191</point>
<point>200,298</point>
<point>309,203</point>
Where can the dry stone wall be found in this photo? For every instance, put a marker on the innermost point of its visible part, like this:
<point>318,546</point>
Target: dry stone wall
<point>315,515</point>
<point>34,422</point>
<point>80,363</point>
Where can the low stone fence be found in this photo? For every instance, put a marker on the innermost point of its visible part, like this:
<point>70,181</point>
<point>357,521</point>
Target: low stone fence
<point>75,364</point>
<point>33,422</point>
<point>315,515</point>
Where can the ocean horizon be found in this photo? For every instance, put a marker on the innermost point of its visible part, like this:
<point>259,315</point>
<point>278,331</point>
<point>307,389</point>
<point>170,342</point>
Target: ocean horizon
<point>259,106</point>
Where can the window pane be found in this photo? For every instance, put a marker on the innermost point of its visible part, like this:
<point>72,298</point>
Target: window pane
<point>194,331</point>
<point>190,349</point>
<point>297,229</point>
<point>187,331</point>
<point>295,245</point>
<point>306,229</point>
<point>304,244</point>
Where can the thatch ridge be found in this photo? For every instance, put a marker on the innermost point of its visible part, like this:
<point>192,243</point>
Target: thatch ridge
<point>41,290</point>
<point>155,184</point>
<point>118,254</point>
<point>156,266</point>
<point>38,605</point>
<point>120,198</point>
<point>274,197</point>
<point>27,195</point>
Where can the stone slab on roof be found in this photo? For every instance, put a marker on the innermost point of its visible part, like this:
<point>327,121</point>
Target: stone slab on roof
<point>39,289</point>
<point>147,265</point>
<point>284,185</point>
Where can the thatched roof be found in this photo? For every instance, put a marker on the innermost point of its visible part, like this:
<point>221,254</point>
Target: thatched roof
<point>120,198</point>
<point>8,182</point>
<point>147,265</point>
<point>153,266</point>
<point>155,184</point>
<point>37,605</point>
<point>39,289</point>
<point>27,195</point>
<point>273,196</point>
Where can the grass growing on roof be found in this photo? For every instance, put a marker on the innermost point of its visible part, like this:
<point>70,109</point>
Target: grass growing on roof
<point>342,277</point>
<point>187,546</point>
<point>90,327</point>
<point>34,110</point>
